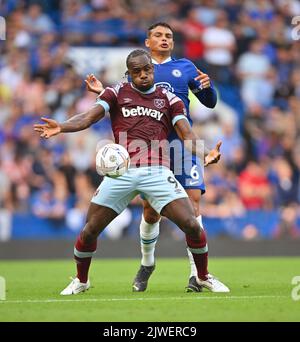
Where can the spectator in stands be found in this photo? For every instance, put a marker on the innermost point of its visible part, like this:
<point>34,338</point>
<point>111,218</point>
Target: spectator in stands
<point>36,22</point>
<point>50,205</point>
<point>254,187</point>
<point>288,226</point>
<point>254,71</point>
<point>192,29</point>
<point>285,181</point>
<point>219,46</point>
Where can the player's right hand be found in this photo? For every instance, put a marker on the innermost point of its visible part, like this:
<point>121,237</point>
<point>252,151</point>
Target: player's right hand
<point>93,84</point>
<point>49,129</point>
<point>214,155</point>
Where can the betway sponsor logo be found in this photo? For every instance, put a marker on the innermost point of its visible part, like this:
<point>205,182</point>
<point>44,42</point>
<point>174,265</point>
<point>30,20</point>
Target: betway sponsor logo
<point>141,111</point>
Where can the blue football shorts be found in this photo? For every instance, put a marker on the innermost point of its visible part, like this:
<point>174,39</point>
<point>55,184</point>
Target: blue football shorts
<point>188,169</point>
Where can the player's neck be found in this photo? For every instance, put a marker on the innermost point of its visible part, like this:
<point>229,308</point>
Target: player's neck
<point>160,58</point>
<point>149,91</point>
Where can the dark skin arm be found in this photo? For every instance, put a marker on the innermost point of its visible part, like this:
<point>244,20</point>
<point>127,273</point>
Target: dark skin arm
<point>76,123</point>
<point>185,132</point>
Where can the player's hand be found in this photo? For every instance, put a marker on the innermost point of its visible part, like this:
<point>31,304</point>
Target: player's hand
<point>93,84</point>
<point>214,155</point>
<point>203,79</point>
<point>49,129</point>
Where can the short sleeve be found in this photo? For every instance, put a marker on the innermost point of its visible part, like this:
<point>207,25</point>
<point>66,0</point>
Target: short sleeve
<point>177,110</point>
<point>107,99</point>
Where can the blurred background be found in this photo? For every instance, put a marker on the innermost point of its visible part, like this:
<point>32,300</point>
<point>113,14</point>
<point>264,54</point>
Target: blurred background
<point>248,48</point>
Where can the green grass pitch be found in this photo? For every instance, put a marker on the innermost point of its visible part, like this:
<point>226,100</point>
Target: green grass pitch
<point>260,291</point>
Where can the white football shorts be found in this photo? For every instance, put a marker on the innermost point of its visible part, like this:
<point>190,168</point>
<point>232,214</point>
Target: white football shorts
<point>157,184</point>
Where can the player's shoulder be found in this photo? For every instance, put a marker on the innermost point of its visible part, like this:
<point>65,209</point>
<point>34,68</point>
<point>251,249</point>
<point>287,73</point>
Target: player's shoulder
<point>115,89</point>
<point>184,62</point>
<point>170,97</point>
<point>121,85</point>
<point>185,66</point>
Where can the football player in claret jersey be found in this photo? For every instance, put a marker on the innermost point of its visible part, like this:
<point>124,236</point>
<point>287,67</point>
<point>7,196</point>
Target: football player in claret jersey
<point>178,76</point>
<point>145,113</point>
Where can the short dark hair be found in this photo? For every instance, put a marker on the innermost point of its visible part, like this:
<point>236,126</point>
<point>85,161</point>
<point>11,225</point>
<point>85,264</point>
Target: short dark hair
<point>153,26</point>
<point>136,53</point>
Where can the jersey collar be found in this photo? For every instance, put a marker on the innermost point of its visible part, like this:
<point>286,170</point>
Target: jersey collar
<point>149,91</point>
<point>163,62</point>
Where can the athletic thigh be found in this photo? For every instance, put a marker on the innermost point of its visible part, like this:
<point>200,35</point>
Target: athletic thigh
<point>195,198</point>
<point>98,217</point>
<point>179,211</point>
<point>116,193</point>
<point>150,215</point>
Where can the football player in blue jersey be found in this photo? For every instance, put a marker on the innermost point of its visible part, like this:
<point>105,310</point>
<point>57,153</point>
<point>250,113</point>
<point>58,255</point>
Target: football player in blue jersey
<point>178,76</point>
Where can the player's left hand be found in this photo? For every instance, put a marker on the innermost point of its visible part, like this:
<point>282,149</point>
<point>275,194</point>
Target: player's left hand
<point>203,79</point>
<point>214,155</point>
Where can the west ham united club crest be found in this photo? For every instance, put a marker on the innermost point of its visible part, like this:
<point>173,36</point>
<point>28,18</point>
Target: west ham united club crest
<point>159,103</point>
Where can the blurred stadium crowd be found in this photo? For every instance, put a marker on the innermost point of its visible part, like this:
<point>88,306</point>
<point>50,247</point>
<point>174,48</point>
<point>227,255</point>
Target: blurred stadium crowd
<point>246,47</point>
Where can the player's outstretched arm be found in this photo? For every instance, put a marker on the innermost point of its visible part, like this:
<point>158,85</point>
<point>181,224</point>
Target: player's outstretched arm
<point>76,123</point>
<point>93,84</point>
<point>185,133</point>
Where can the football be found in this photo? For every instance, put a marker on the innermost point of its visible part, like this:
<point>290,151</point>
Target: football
<point>112,160</point>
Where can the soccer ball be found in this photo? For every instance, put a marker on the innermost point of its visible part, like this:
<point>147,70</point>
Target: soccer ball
<point>112,160</point>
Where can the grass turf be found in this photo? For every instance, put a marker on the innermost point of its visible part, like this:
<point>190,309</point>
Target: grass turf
<point>260,291</point>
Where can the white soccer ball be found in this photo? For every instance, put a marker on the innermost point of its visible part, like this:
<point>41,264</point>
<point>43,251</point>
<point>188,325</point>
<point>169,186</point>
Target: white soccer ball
<point>112,160</point>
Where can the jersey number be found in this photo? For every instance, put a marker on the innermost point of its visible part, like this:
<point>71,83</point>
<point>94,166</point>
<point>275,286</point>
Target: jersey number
<point>173,181</point>
<point>194,173</point>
